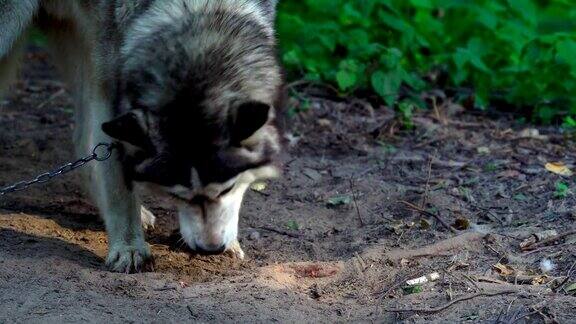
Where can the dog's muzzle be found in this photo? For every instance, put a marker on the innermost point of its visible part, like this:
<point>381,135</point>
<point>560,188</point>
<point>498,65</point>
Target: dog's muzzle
<point>210,227</point>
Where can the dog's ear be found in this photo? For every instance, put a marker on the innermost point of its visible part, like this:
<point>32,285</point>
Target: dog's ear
<point>249,118</point>
<point>130,128</point>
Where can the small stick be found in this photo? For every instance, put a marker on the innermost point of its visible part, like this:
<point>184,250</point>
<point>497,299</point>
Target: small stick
<point>455,301</point>
<point>425,197</point>
<point>356,202</point>
<point>273,230</point>
<point>427,213</point>
<point>436,162</point>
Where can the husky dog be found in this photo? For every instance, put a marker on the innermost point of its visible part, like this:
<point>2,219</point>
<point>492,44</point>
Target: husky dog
<point>189,88</point>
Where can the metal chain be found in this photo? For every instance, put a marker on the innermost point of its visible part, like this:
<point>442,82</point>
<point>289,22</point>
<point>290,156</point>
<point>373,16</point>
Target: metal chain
<point>100,153</point>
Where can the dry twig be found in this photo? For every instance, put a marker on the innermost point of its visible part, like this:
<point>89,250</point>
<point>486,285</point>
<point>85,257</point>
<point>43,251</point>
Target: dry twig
<point>427,213</point>
<point>425,197</point>
<point>442,248</point>
<point>273,230</point>
<point>356,202</point>
<point>436,162</point>
<point>550,240</point>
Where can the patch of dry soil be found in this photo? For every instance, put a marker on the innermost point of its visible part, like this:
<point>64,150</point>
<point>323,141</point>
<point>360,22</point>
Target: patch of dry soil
<point>307,261</point>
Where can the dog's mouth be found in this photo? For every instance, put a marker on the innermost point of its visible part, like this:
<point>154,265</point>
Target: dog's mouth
<point>208,216</point>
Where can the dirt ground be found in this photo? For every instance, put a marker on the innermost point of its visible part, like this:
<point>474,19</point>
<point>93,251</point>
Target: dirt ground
<point>354,217</point>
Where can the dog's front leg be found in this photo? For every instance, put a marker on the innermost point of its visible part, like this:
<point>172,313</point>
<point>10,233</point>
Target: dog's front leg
<point>118,205</point>
<point>127,249</point>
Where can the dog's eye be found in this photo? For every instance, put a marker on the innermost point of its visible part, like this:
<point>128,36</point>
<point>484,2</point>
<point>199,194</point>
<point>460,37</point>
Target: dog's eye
<point>225,191</point>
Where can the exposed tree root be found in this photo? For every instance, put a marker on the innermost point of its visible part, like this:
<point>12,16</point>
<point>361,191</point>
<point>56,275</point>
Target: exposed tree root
<point>442,248</point>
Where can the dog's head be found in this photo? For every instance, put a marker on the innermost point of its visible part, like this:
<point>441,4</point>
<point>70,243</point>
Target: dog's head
<point>199,124</point>
<point>203,166</point>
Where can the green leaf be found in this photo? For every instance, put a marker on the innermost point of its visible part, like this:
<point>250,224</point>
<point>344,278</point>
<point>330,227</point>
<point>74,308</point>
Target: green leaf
<point>526,8</point>
<point>293,225</point>
<point>487,18</point>
<point>346,79</point>
<point>521,50</point>
<point>387,85</point>
<point>427,4</point>
<point>569,123</point>
<point>571,288</point>
<point>566,52</point>
<point>291,57</point>
<point>562,190</point>
<point>409,290</point>
<point>391,58</point>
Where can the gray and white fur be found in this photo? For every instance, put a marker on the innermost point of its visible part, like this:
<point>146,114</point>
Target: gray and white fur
<point>190,88</point>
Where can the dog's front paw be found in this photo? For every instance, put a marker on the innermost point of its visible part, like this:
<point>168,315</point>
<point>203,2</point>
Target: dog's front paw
<point>236,250</point>
<point>148,219</point>
<point>129,258</point>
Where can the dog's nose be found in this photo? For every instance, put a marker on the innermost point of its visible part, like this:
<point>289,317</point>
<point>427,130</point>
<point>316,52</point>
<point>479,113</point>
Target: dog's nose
<point>210,249</point>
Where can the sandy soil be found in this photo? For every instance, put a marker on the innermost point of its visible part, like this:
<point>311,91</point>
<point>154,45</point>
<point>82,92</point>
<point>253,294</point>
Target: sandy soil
<point>309,258</point>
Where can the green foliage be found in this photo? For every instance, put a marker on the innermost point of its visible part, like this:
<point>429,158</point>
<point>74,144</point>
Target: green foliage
<point>293,225</point>
<point>514,52</point>
<point>562,190</point>
<point>409,290</point>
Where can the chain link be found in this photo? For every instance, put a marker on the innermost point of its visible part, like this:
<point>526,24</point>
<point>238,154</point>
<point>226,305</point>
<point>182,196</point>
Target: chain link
<point>100,153</point>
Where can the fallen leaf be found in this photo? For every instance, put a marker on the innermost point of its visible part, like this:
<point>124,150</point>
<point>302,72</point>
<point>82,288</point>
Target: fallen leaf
<point>461,224</point>
<point>539,280</point>
<point>559,168</point>
<point>397,227</point>
<point>424,224</point>
<point>571,289</point>
<point>322,122</point>
<point>483,150</point>
<point>503,269</point>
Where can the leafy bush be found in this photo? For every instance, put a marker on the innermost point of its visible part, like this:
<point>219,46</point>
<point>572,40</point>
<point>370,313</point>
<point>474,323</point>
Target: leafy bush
<point>519,53</point>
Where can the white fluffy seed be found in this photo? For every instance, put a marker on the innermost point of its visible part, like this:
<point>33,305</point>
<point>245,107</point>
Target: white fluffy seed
<point>546,265</point>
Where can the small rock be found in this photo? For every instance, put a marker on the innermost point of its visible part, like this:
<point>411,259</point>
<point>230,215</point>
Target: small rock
<point>532,133</point>
<point>258,186</point>
<point>483,150</point>
<point>254,235</point>
<point>325,123</point>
